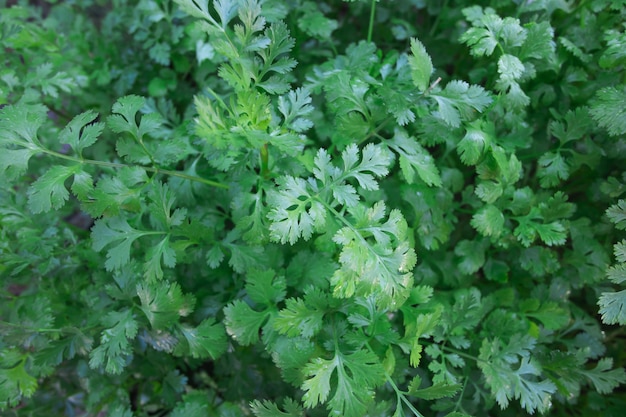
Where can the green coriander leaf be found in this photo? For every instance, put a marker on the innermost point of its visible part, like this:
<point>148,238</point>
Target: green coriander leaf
<point>489,191</point>
<point>270,409</point>
<point>414,159</point>
<point>550,315</point>
<point>482,41</point>
<point>472,254</point>
<point>214,257</point>
<point>434,392</point>
<point>552,169</point>
<point>164,303</point>
<point>475,143</point>
<point>18,129</point>
<point>460,101</point>
<point>192,405</point>
<point>65,348</point>
<point>295,106</point>
<point>15,382</point>
<point>290,216</point>
<point>226,10</point>
<point>529,227</point>
<point>208,340</point>
<point>124,120</point>
<point>398,103</point>
<point>120,411</point>
<point>82,185</point>
<point>345,93</point>
<point>81,132</point>
<point>510,373</point>
<point>539,43</point>
<point>317,387</point>
<point>615,54</point>
<point>49,190</point>
<point>574,49</point>
<point>20,124</point>
<point>497,271</point>
<point>357,375</point>
<point>603,378</point>
<point>160,53</point>
<point>557,207</point>
<point>617,273</point>
<point>243,323</point>
<point>375,267</point>
<point>613,187</point>
<point>421,65</point>
<point>619,250</point>
<point>264,287</point>
<point>576,125</point>
<point>374,163</point>
<point>162,251</point>
<point>488,221</point>
<point>124,114</point>
<point>510,69</point>
<point>297,208</point>
<point>291,354</point>
<point>49,83</point>
<point>613,307</point>
<point>112,194</point>
<point>552,234</point>
<point>298,319</point>
<point>316,24</point>
<point>420,294</point>
<point>250,213</point>
<point>115,348</point>
<point>174,384</point>
<point>617,214</point>
<point>162,200</point>
<point>608,108</point>
<point>310,268</point>
<point>117,233</point>
<point>244,257</point>
<point>275,58</point>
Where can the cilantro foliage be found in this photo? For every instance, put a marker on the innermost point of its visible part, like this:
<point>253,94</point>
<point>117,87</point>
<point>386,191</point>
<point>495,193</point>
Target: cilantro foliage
<point>246,207</point>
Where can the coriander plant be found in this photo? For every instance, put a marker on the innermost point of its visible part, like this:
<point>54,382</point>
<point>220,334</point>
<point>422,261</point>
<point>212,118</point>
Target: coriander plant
<point>294,208</point>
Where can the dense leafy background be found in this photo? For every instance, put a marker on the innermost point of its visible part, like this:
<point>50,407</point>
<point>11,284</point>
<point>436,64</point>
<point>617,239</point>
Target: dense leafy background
<point>290,208</point>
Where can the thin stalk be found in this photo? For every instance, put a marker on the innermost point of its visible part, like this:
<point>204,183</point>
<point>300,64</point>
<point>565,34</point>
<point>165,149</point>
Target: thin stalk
<point>433,85</point>
<point>463,355</point>
<point>374,132</point>
<point>401,397</point>
<point>436,24</point>
<point>265,170</point>
<point>370,29</point>
<point>40,330</point>
<point>155,169</point>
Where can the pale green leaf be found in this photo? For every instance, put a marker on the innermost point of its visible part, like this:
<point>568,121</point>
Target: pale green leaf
<point>421,65</point>
<point>489,221</point>
<point>608,108</point>
<point>49,191</point>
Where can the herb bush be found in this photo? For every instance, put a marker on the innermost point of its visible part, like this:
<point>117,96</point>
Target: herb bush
<point>290,208</point>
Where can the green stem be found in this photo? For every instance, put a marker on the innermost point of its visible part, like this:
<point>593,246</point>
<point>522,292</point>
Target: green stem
<point>375,132</point>
<point>265,170</point>
<point>436,24</point>
<point>370,30</point>
<point>40,330</point>
<point>464,355</point>
<point>400,395</point>
<point>154,169</point>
